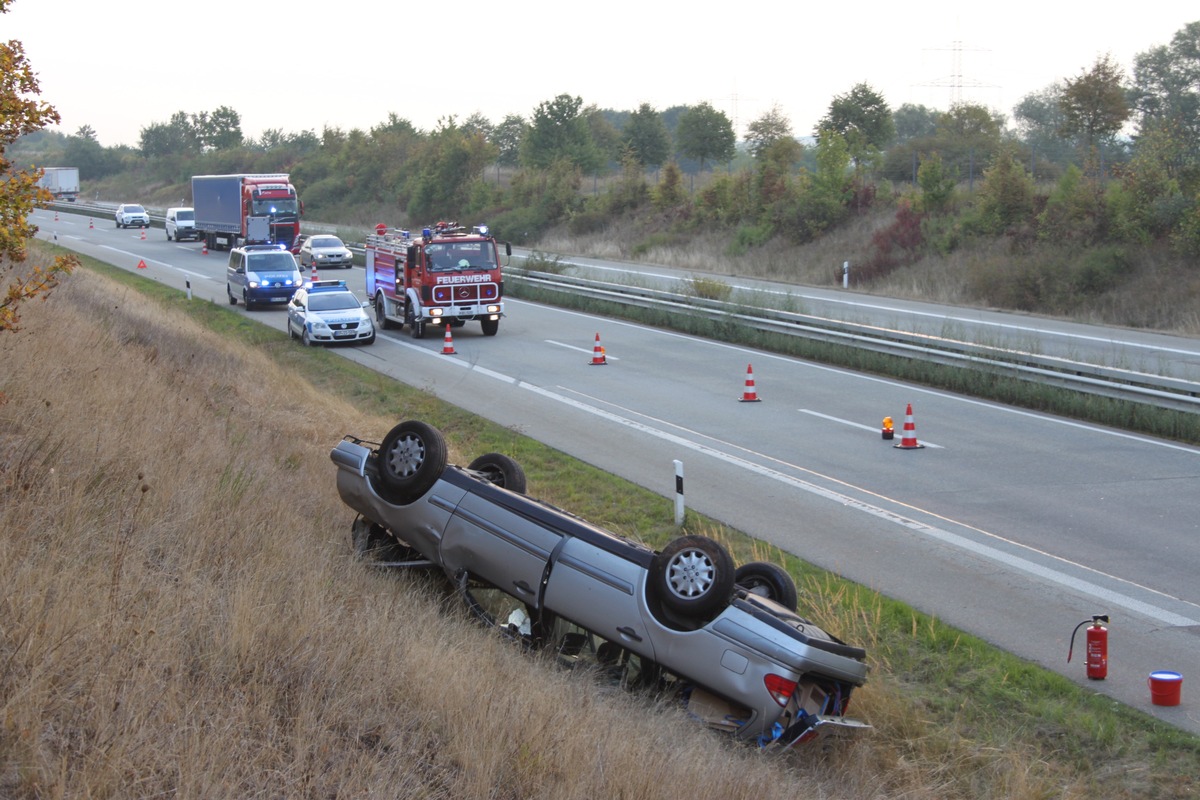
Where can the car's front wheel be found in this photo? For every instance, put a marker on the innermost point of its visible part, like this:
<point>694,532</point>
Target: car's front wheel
<point>693,576</point>
<point>411,459</point>
<point>501,470</point>
<point>229,291</point>
<point>768,580</point>
<point>305,339</point>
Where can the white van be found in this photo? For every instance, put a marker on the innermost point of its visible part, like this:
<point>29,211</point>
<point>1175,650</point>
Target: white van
<point>181,224</point>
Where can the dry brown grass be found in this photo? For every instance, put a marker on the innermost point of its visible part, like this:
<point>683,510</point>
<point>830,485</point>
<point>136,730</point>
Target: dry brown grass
<point>180,615</point>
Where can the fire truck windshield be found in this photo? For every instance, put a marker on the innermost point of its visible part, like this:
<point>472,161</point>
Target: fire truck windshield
<point>281,207</point>
<point>461,255</point>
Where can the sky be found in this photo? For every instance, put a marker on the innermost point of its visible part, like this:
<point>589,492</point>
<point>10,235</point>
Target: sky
<point>297,66</point>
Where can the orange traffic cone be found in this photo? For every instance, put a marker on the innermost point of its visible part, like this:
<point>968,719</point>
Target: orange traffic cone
<point>90,225</point>
<point>204,248</point>
<point>908,441</point>
<point>315,279</point>
<point>598,357</point>
<point>56,216</point>
<point>447,343</point>
<point>143,237</point>
<point>749,395</point>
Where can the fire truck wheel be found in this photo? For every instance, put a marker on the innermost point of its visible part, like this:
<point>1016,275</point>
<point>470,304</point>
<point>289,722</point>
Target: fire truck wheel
<point>490,326</point>
<point>416,327</point>
<point>500,470</point>
<point>381,315</point>
<point>768,580</point>
<point>411,459</point>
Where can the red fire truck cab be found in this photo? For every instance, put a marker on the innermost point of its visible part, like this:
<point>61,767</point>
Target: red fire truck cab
<point>445,276</point>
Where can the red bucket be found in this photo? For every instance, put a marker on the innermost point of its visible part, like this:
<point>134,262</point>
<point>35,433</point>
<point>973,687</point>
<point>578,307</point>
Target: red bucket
<point>1165,687</point>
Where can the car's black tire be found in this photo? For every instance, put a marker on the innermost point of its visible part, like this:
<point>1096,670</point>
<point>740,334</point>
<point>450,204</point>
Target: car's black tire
<point>693,576</point>
<point>168,234</point>
<point>500,470</point>
<point>232,299</point>
<point>291,333</point>
<point>411,459</point>
<point>305,339</point>
<point>768,580</point>
<point>246,301</point>
<point>371,340</point>
<point>490,326</point>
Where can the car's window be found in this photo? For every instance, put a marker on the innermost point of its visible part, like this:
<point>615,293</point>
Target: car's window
<point>326,241</point>
<point>185,215</point>
<point>261,262</point>
<point>135,210</point>
<point>334,301</point>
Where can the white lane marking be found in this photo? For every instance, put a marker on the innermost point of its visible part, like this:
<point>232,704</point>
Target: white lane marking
<point>994,554</point>
<point>590,350</point>
<point>899,431</point>
<point>760,355</point>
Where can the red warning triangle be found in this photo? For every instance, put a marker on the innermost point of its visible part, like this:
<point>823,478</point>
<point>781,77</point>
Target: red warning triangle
<point>141,263</point>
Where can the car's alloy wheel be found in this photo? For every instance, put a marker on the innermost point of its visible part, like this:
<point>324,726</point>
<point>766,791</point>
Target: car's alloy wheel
<point>411,459</point>
<point>693,575</point>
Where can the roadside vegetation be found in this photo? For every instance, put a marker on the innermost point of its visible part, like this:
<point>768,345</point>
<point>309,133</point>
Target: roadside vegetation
<point>181,613</point>
<point>1081,201</point>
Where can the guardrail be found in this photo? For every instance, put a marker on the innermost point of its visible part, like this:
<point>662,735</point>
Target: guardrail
<point>1079,376</point>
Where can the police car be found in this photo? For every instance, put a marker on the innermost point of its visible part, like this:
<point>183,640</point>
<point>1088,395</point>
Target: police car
<point>323,312</point>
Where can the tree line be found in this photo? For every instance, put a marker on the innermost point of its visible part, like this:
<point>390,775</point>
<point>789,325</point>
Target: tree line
<point>1122,152</point>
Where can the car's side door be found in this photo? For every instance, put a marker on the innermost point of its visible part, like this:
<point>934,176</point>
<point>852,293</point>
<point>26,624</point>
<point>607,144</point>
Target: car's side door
<point>491,537</point>
<point>297,313</point>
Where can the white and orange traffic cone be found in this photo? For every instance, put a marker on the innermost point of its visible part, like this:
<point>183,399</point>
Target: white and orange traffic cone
<point>749,395</point>
<point>598,357</point>
<point>908,440</point>
<point>314,280</point>
<point>447,343</point>
<point>56,215</point>
<point>143,236</point>
<point>90,225</point>
<point>204,248</point>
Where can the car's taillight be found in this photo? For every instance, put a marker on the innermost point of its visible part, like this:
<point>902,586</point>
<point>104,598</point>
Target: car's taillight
<point>781,688</point>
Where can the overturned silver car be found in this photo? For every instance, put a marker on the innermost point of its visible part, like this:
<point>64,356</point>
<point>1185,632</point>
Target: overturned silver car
<point>727,641</point>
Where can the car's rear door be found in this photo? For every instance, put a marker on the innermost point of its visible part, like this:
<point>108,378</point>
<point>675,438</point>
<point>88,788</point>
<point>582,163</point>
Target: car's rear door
<point>492,536</point>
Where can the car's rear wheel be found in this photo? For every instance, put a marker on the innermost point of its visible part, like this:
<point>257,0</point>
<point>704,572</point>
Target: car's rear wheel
<point>693,575</point>
<point>768,580</point>
<point>381,314</point>
<point>411,459</point>
<point>501,470</point>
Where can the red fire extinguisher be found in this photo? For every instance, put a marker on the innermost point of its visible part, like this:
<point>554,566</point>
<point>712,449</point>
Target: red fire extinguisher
<point>1097,646</point>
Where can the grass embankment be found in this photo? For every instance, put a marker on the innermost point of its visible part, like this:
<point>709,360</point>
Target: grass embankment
<point>180,614</point>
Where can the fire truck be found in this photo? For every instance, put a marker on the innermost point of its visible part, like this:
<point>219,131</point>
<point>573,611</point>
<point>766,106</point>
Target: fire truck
<point>446,275</point>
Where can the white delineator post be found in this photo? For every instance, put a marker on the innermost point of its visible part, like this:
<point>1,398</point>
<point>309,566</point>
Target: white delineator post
<point>678,493</point>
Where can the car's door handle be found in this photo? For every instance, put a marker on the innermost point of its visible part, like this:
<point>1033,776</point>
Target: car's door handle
<point>522,587</point>
<point>629,633</point>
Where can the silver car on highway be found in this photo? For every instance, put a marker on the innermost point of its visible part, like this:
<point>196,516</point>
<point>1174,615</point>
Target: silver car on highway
<point>727,643</point>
